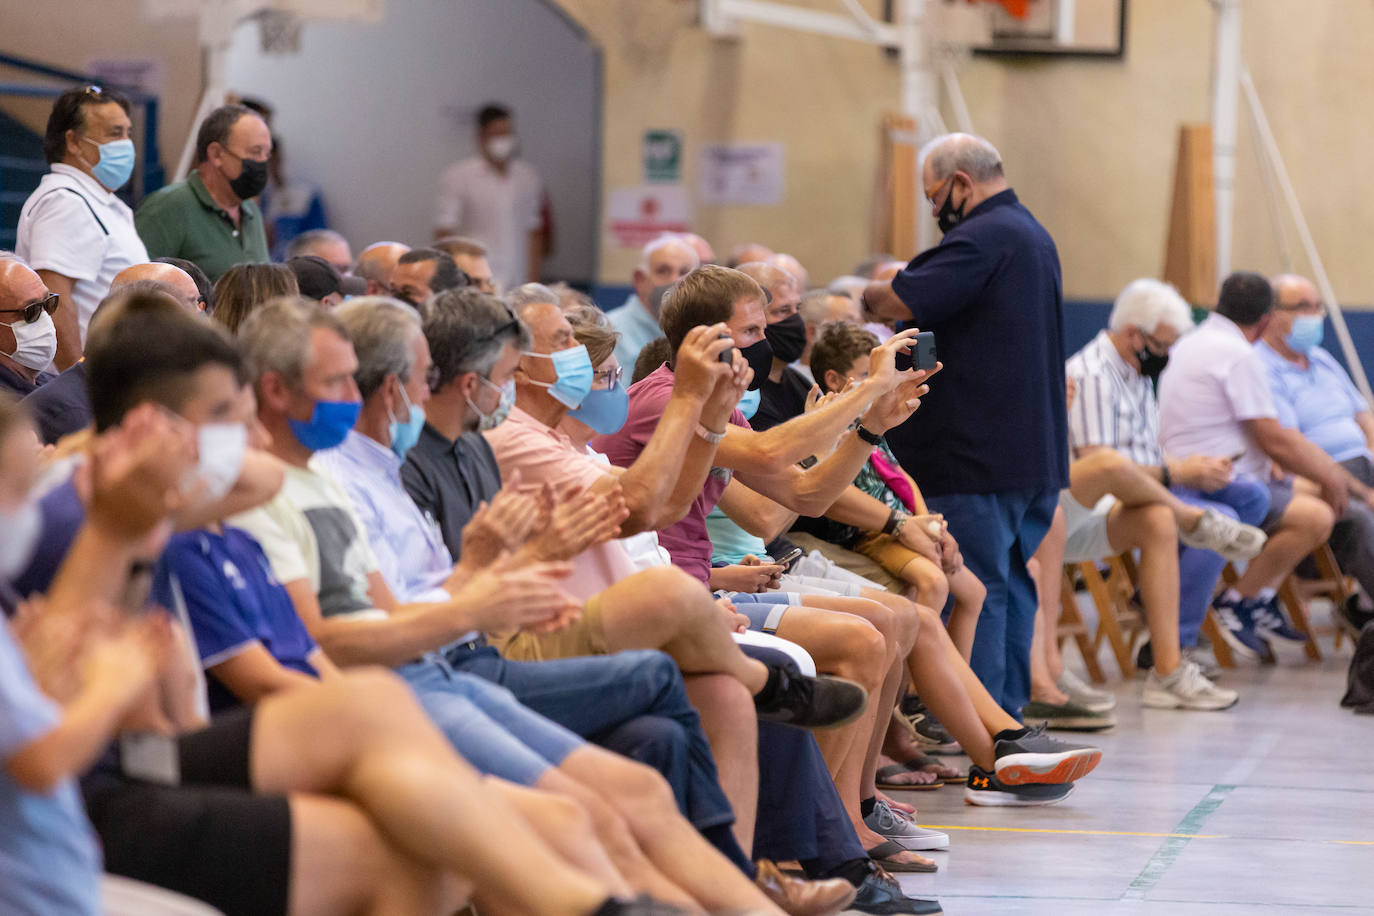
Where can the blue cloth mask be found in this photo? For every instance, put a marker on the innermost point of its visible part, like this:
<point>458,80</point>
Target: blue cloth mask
<point>749,404</point>
<point>1307,332</point>
<point>605,410</point>
<point>328,425</point>
<point>116,162</point>
<point>574,369</point>
<point>406,433</point>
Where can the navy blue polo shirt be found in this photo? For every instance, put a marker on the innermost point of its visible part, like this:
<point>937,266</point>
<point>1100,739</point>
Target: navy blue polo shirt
<point>995,418</point>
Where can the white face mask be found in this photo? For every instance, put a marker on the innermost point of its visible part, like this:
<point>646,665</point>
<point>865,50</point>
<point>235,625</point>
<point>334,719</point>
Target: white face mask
<point>502,149</point>
<point>35,344</point>
<point>20,530</point>
<point>221,447</point>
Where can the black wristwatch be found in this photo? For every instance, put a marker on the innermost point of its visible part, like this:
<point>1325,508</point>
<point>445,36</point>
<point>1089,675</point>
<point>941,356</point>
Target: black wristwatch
<point>868,436</point>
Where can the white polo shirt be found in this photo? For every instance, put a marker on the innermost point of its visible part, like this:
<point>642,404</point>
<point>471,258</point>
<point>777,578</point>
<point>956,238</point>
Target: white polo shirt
<point>73,226</point>
<point>499,210</point>
<point>1215,381</point>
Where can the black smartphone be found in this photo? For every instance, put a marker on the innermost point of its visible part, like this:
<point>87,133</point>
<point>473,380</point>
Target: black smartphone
<point>921,355</point>
<point>727,355</point>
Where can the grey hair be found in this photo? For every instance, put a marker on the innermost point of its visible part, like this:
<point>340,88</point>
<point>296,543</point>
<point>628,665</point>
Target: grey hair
<point>663,241</point>
<point>812,306</point>
<point>302,243</point>
<point>383,331</point>
<point>468,330</point>
<point>275,337</point>
<point>522,297</point>
<point>1146,304</point>
<point>849,285</point>
<point>950,153</point>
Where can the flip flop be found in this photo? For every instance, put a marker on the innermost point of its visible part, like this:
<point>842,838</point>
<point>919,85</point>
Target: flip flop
<point>886,774</point>
<point>883,852</point>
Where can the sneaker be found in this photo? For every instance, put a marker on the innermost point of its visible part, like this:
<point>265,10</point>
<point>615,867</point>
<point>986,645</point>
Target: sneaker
<point>985,789</point>
<point>1031,756</point>
<point>1350,617</point>
<point>896,826</point>
<point>810,702</point>
<point>881,895</point>
<point>1186,688</point>
<point>1068,717</point>
<point>1270,624</point>
<point>1238,629</point>
<point>1205,660</point>
<point>931,736</point>
<point>1081,693</point>
<point>1224,535</point>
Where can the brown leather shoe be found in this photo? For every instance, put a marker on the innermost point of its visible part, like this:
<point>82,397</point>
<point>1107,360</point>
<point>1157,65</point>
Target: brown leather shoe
<point>799,897</point>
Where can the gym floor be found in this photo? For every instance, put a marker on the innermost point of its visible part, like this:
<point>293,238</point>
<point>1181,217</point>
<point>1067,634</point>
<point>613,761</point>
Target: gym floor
<point>1265,808</point>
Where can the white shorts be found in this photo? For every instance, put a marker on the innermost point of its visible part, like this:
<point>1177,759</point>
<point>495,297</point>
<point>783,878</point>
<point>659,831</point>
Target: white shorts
<point>1087,528</point>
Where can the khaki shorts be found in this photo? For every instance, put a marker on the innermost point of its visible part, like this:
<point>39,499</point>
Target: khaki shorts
<point>1086,528</point>
<point>885,550</point>
<point>848,559</point>
<point>587,636</point>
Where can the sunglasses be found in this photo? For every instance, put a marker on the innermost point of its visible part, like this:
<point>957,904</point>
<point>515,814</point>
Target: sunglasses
<point>33,310</point>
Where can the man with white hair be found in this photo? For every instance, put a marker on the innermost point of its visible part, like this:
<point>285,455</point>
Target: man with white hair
<point>323,243</point>
<point>792,266</point>
<point>662,263</point>
<point>818,308</point>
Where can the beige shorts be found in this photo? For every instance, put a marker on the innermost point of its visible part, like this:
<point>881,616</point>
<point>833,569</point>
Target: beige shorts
<point>585,637</point>
<point>1087,528</point>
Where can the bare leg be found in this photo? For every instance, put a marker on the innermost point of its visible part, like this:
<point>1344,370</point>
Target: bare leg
<point>731,726</point>
<point>1050,557</point>
<point>969,594</point>
<point>1043,687</point>
<point>1153,531</point>
<point>1305,523</point>
<point>1101,473</point>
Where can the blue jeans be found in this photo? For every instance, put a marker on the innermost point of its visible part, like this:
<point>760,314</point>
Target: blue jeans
<point>1245,498</point>
<point>633,703</point>
<point>997,534</point>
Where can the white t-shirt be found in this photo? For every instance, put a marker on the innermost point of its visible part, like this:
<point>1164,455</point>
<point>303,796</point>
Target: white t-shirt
<point>498,210</point>
<point>73,226</point>
<point>1215,380</point>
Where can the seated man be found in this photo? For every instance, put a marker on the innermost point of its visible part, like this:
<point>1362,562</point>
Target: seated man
<point>1315,396</point>
<point>471,257</point>
<point>308,402</point>
<point>818,308</point>
<point>28,337</point>
<point>376,264</point>
<point>422,272</point>
<point>1214,400</point>
<point>662,262</point>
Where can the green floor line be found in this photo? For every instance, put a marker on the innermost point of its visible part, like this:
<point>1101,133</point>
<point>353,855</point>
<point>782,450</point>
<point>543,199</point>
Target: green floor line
<point>1169,851</point>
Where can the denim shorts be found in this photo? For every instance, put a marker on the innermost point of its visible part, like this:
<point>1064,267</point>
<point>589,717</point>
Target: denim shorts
<point>763,610</point>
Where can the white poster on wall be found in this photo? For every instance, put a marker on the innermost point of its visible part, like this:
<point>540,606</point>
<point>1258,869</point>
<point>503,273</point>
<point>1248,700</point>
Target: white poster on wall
<point>637,216</point>
<point>746,174</point>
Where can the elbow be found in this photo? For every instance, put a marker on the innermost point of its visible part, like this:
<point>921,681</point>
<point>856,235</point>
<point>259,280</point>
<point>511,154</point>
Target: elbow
<point>35,771</point>
<point>771,459</point>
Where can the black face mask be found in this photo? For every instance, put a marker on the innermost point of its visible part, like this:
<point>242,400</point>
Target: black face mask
<point>787,337</point>
<point>1151,363</point>
<point>251,181</point>
<point>759,356</point>
<point>948,217</point>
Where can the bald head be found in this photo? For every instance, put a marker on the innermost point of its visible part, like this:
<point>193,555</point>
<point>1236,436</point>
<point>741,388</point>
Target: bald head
<point>19,286</point>
<point>748,253</point>
<point>177,281</point>
<point>1292,289</point>
<point>375,264</point>
<point>793,267</point>
<point>769,276</point>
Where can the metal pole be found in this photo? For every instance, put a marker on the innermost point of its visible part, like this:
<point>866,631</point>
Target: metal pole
<point>1352,357</point>
<point>1225,80</point>
<point>919,92</point>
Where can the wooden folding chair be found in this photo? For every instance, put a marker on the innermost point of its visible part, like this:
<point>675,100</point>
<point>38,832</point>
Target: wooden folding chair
<point>1117,621</point>
<point>1072,626</point>
<point>1331,584</point>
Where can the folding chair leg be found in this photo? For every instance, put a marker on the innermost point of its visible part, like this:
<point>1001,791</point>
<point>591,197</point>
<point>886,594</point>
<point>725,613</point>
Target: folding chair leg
<point>1297,612</point>
<point>1071,625</point>
<point>1212,630</point>
<point>1106,619</point>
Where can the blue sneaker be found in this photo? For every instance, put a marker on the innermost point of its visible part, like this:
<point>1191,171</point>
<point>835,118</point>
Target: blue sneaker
<point>1269,623</point>
<point>1238,627</point>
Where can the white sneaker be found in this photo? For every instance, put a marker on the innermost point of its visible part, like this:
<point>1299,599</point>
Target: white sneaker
<point>1205,659</point>
<point>896,826</point>
<point>1224,535</point>
<point>1081,694</point>
<point>1186,688</point>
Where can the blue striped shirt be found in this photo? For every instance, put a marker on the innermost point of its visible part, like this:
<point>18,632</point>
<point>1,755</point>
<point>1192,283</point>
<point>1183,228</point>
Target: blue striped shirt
<point>1115,406</point>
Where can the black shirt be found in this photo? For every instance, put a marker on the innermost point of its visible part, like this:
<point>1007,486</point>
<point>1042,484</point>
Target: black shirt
<point>62,406</point>
<point>995,418</point>
<point>449,480</point>
<point>782,400</point>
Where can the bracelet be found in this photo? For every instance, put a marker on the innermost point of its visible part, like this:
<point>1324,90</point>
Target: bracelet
<point>895,520</point>
<point>1164,476</point>
<point>713,438</point>
<point>867,435</point>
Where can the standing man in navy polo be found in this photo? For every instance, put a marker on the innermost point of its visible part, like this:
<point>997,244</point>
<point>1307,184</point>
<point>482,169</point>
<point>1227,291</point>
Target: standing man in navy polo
<point>989,446</point>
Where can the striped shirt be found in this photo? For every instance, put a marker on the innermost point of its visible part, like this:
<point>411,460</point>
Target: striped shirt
<point>1115,406</point>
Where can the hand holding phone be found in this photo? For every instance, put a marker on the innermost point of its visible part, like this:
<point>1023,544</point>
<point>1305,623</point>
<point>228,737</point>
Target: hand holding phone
<point>921,355</point>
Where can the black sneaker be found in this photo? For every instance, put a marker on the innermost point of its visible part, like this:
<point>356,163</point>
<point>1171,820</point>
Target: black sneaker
<point>809,702</point>
<point>1350,617</point>
<point>881,894</point>
<point>1034,757</point>
<point>930,734</point>
<point>986,790</point>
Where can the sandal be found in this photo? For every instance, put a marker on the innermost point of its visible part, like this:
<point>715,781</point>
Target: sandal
<point>885,854</point>
<point>886,776</point>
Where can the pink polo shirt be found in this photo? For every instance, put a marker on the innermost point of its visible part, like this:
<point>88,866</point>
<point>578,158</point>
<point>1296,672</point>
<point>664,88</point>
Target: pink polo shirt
<point>687,542</point>
<point>543,455</point>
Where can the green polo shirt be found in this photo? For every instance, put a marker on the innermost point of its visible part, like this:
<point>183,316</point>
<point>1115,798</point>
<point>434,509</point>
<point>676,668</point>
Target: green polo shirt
<point>182,220</point>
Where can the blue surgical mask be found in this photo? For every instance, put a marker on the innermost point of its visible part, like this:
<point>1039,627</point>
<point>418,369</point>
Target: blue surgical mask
<point>406,433</point>
<point>749,404</point>
<point>116,162</point>
<point>574,369</point>
<point>605,410</point>
<point>328,425</point>
<point>503,405</point>
<point>1307,333</point>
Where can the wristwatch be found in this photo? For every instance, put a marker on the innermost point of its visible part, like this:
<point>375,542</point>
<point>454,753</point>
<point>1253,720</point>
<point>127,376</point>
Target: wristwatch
<point>867,435</point>
<point>713,438</point>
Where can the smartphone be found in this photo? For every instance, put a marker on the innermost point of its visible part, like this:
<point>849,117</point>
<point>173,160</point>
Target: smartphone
<point>1236,457</point>
<point>921,355</point>
<point>787,559</point>
<point>727,355</point>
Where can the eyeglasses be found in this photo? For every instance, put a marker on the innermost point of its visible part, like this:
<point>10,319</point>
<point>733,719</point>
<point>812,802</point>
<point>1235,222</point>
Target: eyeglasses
<point>607,378</point>
<point>930,198</point>
<point>93,91</point>
<point>33,310</point>
<point>1311,308</point>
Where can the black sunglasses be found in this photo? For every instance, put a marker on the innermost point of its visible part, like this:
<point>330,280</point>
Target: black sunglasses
<point>34,309</point>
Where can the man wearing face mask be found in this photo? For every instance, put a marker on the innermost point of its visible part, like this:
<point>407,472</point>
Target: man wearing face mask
<point>662,263</point>
<point>782,392</point>
<point>1315,396</point>
<point>211,218</point>
<point>496,197</point>
<point>28,338</point>
<point>73,230</point>
<point>989,446</point>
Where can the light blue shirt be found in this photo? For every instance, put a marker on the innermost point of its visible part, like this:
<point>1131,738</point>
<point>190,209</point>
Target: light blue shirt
<point>637,330</point>
<point>49,862</point>
<point>1320,401</point>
